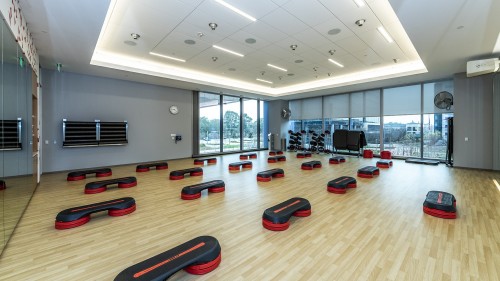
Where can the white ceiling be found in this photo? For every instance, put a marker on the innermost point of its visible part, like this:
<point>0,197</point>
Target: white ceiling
<point>445,34</point>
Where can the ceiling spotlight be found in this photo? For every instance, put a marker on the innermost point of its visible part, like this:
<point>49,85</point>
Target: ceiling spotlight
<point>262,73</point>
<point>329,74</point>
<point>135,36</point>
<point>293,47</point>
<point>200,34</point>
<point>332,52</point>
<point>215,58</point>
<point>315,68</point>
<point>213,25</point>
<point>360,22</point>
<point>395,60</point>
<point>280,77</point>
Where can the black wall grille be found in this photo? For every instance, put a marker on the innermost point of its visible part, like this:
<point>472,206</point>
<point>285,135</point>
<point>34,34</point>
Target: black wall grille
<point>10,134</point>
<point>96,133</point>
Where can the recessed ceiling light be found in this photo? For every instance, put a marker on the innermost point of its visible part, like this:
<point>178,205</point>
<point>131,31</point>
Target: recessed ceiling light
<point>299,61</point>
<point>336,63</point>
<point>293,47</point>
<point>265,81</point>
<point>236,10</point>
<point>166,57</point>
<point>189,42</point>
<point>277,67</point>
<point>215,58</point>
<point>213,25</point>
<point>228,51</point>
<point>359,3</point>
<point>130,43</point>
<point>384,33</point>
<point>135,36</point>
<point>250,40</point>
<point>332,52</point>
<point>334,31</point>
<point>360,22</point>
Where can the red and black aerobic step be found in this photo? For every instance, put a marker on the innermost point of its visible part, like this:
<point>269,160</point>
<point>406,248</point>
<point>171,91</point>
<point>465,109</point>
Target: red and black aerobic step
<point>194,191</point>
<point>384,163</point>
<point>277,218</point>
<point>311,165</point>
<point>336,160</point>
<point>247,156</point>
<point>275,152</point>
<point>303,154</point>
<point>80,175</point>
<point>179,174</point>
<point>440,204</point>
<point>198,256</point>
<point>269,174</point>
<point>386,154</point>
<point>275,159</point>
<point>101,186</point>
<point>202,161</point>
<point>243,164</point>
<point>339,185</point>
<point>368,172</point>
<point>3,185</point>
<point>145,167</point>
<point>78,216</point>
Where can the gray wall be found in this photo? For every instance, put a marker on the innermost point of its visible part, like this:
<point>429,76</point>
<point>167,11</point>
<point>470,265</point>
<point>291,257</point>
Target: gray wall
<point>473,120</point>
<point>79,97</point>
<point>278,125</point>
<point>496,121</point>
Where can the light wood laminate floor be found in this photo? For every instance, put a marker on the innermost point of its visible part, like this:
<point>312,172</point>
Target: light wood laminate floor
<point>374,232</point>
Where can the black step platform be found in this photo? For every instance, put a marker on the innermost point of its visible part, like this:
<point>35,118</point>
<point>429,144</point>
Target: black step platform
<point>336,160</point>
<point>368,172</point>
<point>3,185</point>
<point>101,186</point>
<point>277,218</point>
<point>202,161</point>
<point>157,165</point>
<point>78,216</point>
<point>194,191</point>
<point>275,152</point>
<point>440,204</point>
<point>303,154</point>
<point>422,161</point>
<point>80,175</point>
<point>198,256</point>
<point>384,163</point>
<point>179,174</point>
<point>339,185</point>
<point>310,165</point>
<point>274,159</point>
<point>247,156</point>
<point>243,164</point>
<point>269,174</point>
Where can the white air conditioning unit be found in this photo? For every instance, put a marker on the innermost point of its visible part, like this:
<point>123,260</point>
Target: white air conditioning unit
<point>480,67</point>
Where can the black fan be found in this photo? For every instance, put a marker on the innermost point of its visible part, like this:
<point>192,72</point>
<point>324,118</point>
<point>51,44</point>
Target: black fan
<point>443,100</point>
<point>286,113</point>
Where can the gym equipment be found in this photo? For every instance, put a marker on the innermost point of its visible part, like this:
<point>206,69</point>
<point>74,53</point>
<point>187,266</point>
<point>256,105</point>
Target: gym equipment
<point>339,185</point>
<point>274,159</point>
<point>328,141</point>
<point>368,172</point>
<point>440,204</point>
<point>336,160</point>
<point>198,256</point>
<point>295,141</point>
<point>386,154</point>
<point>310,165</point>
<point>349,140</point>
<point>275,152</point>
<point>202,161</point>
<point>101,186</point>
<point>269,174</point>
<point>243,164</point>
<point>3,185</point>
<point>145,167</point>
<point>78,216</point>
<point>367,153</point>
<point>384,163</point>
<point>179,174</point>
<point>248,156</point>
<point>277,218</point>
<point>80,175</point>
<point>303,154</point>
<point>422,161</point>
<point>449,143</point>
<point>194,191</point>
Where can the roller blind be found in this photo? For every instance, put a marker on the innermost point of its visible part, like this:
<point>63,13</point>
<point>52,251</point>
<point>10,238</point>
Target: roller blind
<point>336,106</point>
<point>296,109</point>
<point>402,100</point>
<point>431,90</point>
<point>311,108</point>
<point>365,104</point>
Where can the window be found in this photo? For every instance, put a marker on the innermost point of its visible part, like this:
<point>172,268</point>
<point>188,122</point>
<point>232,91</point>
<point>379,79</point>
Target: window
<point>209,123</point>
<point>250,124</point>
<point>371,127</point>
<point>231,123</point>
<point>263,125</point>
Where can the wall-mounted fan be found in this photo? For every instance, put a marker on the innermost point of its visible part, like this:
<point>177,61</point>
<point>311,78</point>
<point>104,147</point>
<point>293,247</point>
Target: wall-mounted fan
<point>443,100</point>
<point>286,113</point>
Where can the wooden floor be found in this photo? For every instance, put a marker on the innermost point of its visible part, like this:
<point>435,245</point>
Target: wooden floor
<point>374,232</point>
